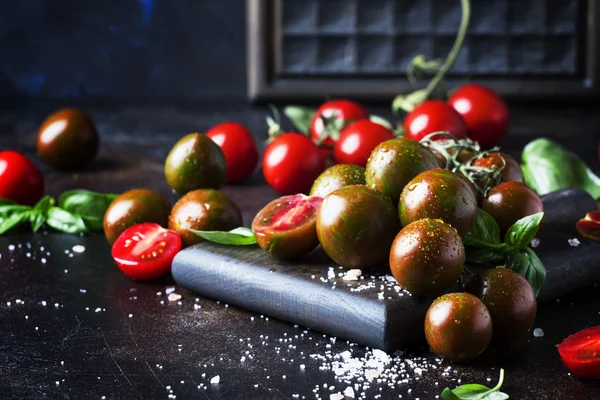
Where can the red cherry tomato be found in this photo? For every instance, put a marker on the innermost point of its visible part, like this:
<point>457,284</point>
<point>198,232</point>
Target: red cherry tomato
<point>433,116</point>
<point>358,140</point>
<point>580,352</point>
<point>343,110</point>
<point>20,179</point>
<point>146,251</point>
<point>484,111</point>
<point>239,148</point>
<point>291,163</point>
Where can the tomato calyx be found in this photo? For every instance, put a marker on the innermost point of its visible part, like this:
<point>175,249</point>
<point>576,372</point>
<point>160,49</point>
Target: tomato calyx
<point>589,226</point>
<point>453,150</point>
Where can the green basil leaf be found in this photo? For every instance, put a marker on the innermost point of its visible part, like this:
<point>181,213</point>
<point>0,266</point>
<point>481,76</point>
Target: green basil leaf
<point>381,121</point>
<point>301,117</point>
<point>527,264</point>
<point>484,255</point>
<point>90,206</point>
<point>522,232</point>
<point>64,221</point>
<point>36,219</point>
<point>548,166</point>
<point>236,237</point>
<point>44,204</point>
<point>9,209</point>
<point>475,391</point>
<point>485,233</point>
<point>13,220</point>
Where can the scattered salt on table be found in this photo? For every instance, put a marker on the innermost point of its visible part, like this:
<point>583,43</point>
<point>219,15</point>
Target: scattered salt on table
<point>352,275</point>
<point>174,297</point>
<point>538,332</point>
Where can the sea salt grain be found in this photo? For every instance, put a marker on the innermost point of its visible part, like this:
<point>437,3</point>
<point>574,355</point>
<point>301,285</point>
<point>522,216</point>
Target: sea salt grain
<point>78,248</point>
<point>535,242</point>
<point>574,242</point>
<point>174,297</point>
<point>169,290</point>
<point>349,392</point>
<point>538,332</point>
<point>215,380</point>
<point>352,275</point>
<point>336,396</point>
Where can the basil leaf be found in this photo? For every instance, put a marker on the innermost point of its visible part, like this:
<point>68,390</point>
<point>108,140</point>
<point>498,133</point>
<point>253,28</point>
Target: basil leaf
<point>484,255</point>
<point>13,220</point>
<point>547,167</point>
<point>9,209</point>
<point>474,391</point>
<point>64,221</point>
<point>485,233</point>
<point>44,204</point>
<point>237,237</point>
<point>527,264</point>
<point>301,117</point>
<point>90,206</point>
<point>522,232</point>
<point>381,121</point>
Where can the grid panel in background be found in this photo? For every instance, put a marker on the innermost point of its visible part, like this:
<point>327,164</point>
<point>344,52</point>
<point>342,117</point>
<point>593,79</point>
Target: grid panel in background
<point>517,38</point>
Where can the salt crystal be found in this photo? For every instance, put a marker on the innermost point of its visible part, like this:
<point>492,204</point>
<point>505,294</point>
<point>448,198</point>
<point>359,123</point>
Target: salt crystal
<point>130,315</point>
<point>381,355</point>
<point>78,248</point>
<point>352,275</point>
<point>535,242</point>
<point>174,297</point>
<point>574,242</point>
<point>302,366</point>
<point>538,332</point>
<point>349,392</point>
<point>158,293</point>
<point>83,290</point>
<point>215,380</point>
<point>371,374</point>
<point>98,309</point>
<point>380,296</point>
<point>331,273</point>
<point>169,290</point>
<point>336,396</point>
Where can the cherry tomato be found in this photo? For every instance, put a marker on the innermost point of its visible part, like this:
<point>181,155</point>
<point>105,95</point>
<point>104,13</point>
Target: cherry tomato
<point>146,251</point>
<point>433,116</point>
<point>291,163</point>
<point>239,148</point>
<point>484,111</point>
<point>358,140</point>
<point>342,110</point>
<point>20,179</point>
<point>580,352</point>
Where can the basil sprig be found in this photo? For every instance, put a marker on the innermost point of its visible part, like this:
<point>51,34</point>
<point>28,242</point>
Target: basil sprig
<point>484,245</point>
<point>78,211</point>
<point>237,237</point>
<point>475,391</point>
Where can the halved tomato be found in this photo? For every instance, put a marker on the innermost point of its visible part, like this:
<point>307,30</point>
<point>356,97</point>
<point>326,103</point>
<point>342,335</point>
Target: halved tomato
<point>146,251</point>
<point>580,352</point>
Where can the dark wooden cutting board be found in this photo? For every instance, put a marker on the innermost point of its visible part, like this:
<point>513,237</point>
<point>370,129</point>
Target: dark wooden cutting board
<point>372,311</point>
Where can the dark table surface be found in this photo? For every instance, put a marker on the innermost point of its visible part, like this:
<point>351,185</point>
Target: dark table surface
<point>73,326</point>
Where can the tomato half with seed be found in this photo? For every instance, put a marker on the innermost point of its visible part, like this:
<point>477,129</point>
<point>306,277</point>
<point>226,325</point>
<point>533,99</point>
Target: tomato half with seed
<point>239,148</point>
<point>291,163</point>
<point>484,111</point>
<point>580,352</point>
<point>358,140</point>
<point>146,251</point>
<point>433,116</point>
<point>20,179</point>
<point>330,117</point>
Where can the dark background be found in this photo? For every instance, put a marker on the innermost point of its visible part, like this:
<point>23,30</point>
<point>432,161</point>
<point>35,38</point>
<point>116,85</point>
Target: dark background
<point>132,50</point>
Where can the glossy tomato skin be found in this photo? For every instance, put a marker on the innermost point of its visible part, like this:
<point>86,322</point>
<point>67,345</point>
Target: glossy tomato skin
<point>343,110</point>
<point>286,227</point>
<point>484,111</point>
<point>358,140</point>
<point>439,193</point>
<point>20,179</point>
<point>356,226</point>
<point>68,139</point>
<point>336,177</point>
<point>433,116</point>
<point>195,162</point>
<point>458,326</point>
<point>291,163</point>
<point>132,208</point>
<point>239,147</point>
<point>510,201</point>
<point>512,171</point>
<point>580,352</point>
<point>427,257</point>
<point>510,300</point>
<point>394,163</point>
<point>146,251</point>
<point>203,210</point>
